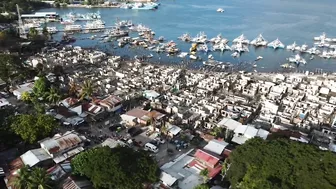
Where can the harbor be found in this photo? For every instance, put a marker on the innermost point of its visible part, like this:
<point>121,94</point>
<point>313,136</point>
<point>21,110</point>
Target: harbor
<point>316,55</point>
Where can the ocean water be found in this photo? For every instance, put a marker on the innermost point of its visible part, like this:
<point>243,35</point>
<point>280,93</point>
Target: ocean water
<point>288,20</point>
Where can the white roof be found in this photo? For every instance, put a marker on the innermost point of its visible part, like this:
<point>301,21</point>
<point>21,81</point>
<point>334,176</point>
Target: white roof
<point>216,146</point>
<point>3,102</point>
<point>167,179</point>
<point>151,93</point>
<point>247,131</point>
<point>33,157</point>
<point>262,133</point>
<point>112,143</point>
<point>229,123</point>
<point>190,182</point>
<point>239,139</point>
<point>173,129</point>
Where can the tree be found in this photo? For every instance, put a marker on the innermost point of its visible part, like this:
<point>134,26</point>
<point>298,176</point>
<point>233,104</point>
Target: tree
<point>7,137</point>
<point>53,96</point>
<point>123,168</point>
<point>72,89</point>
<point>87,89</point>
<point>33,127</point>
<point>33,33</point>
<point>218,132</point>
<point>22,180</point>
<point>281,164</point>
<point>202,186</point>
<point>41,87</point>
<point>36,178</point>
<point>26,96</point>
<point>225,167</point>
<point>45,32</point>
<point>205,174</point>
<point>40,179</point>
<point>11,66</point>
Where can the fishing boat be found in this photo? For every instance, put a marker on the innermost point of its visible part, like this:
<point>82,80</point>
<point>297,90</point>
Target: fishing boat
<point>220,10</point>
<point>117,33</point>
<point>216,39</point>
<point>145,6</point>
<point>286,66</point>
<point>210,57</point>
<point>161,39</point>
<point>313,50</point>
<point>303,48</point>
<point>185,37</point>
<point>124,23</point>
<point>182,54</point>
<point>125,6</point>
<point>66,21</point>
<point>259,58</point>
<point>240,47</point>
<point>322,44</point>
<point>200,38</point>
<point>73,27</point>
<point>203,48</point>
<point>259,41</point>
<point>221,47</point>
<point>312,57</point>
<point>235,54</point>
<point>276,44</point>
<point>297,59</point>
<point>193,57</point>
<point>241,39</point>
<point>322,37</point>
<point>292,47</point>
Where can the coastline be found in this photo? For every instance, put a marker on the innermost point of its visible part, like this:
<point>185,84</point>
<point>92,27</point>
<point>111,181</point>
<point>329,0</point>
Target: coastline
<point>92,6</point>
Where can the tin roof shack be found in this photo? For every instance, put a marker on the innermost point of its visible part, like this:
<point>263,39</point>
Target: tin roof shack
<point>135,116</point>
<point>216,146</point>
<point>61,147</point>
<point>27,87</point>
<point>112,103</point>
<point>77,183</point>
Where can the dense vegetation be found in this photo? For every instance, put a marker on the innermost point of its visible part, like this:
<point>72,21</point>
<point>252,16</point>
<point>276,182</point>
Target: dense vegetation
<point>32,178</point>
<point>26,6</point>
<point>117,168</point>
<point>281,164</point>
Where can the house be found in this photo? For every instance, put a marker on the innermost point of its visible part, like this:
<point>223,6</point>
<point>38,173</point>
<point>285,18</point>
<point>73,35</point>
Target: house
<point>135,116</point>
<point>77,183</point>
<point>61,147</point>
<point>95,111</point>
<point>113,143</point>
<point>229,124</point>
<point>35,157</point>
<point>69,102</point>
<point>4,102</point>
<point>216,146</point>
<point>111,103</point>
<point>151,94</point>
<point>207,160</point>
<point>173,130</point>
<point>245,132</point>
<point>27,87</point>
<point>187,177</point>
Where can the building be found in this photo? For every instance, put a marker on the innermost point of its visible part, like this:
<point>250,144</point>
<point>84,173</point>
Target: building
<point>61,147</point>
<point>245,132</point>
<point>27,87</point>
<point>135,116</point>
<point>112,103</point>
<point>216,146</point>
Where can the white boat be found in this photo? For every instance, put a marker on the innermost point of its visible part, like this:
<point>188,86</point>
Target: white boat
<point>97,24</point>
<point>241,39</point>
<point>287,66</point>
<point>313,50</point>
<point>297,59</point>
<point>200,38</point>
<point>259,41</point>
<point>322,44</point>
<point>193,57</point>
<point>235,55</point>
<point>67,21</point>
<point>216,39</point>
<point>221,47</point>
<point>185,37</point>
<point>182,54</point>
<point>276,44</point>
<point>326,54</point>
<point>220,10</point>
<point>240,47</point>
<point>203,48</point>
<point>73,27</point>
<point>292,47</point>
<point>259,58</point>
<point>303,48</point>
<point>210,57</point>
<point>322,37</point>
<point>312,57</point>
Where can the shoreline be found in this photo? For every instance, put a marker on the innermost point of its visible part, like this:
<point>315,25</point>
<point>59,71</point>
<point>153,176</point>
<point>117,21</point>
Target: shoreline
<point>91,6</point>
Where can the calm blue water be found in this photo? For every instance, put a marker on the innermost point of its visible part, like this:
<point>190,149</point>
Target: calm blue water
<point>288,20</point>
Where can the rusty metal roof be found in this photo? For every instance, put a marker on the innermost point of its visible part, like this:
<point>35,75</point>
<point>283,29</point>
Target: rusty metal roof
<point>61,142</point>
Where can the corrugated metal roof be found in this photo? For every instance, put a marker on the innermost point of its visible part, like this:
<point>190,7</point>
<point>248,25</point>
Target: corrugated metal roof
<point>216,146</point>
<point>33,157</point>
<point>59,143</point>
<point>206,157</point>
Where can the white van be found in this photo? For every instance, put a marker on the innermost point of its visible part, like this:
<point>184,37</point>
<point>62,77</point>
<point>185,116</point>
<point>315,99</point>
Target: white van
<point>151,147</point>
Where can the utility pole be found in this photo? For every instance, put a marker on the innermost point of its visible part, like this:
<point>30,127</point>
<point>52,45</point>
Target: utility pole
<point>21,28</point>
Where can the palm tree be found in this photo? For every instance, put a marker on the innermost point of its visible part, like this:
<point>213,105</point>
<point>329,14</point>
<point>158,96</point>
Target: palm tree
<point>87,89</point>
<point>22,180</point>
<point>205,174</point>
<point>224,169</point>
<point>40,179</point>
<point>72,88</point>
<point>52,95</point>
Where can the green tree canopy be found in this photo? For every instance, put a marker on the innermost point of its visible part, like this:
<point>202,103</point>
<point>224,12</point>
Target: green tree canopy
<point>7,136</point>
<point>281,164</point>
<point>36,178</point>
<point>41,87</point>
<point>117,168</point>
<point>10,66</point>
<point>32,128</point>
<point>202,186</point>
